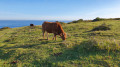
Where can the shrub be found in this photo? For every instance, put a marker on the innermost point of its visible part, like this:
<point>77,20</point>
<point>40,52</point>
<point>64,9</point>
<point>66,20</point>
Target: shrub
<point>102,27</point>
<point>98,19</point>
<point>80,20</point>
<point>114,19</point>
<point>117,18</point>
<point>4,28</point>
<point>77,21</point>
<point>88,20</point>
<point>72,22</point>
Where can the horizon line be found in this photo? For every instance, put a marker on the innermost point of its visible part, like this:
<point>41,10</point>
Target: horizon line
<point>56,19</point>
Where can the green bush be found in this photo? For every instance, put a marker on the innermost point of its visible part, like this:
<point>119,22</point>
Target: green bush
<point>98,19</point>
<point>80,20</point>
<point>102,27</point>
<point>72,22</point>
<point>77,21</point>
<point>4,28</point>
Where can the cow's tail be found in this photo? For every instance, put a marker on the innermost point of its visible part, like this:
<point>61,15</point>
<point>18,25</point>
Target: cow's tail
<point>43,30</point>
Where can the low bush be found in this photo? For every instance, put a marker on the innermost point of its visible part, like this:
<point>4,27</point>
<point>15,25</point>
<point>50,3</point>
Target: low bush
<point>102,27</point>
<point>77,21</point>
<point>98,19</point>
<point>72,22</point>
<point>4,28</point>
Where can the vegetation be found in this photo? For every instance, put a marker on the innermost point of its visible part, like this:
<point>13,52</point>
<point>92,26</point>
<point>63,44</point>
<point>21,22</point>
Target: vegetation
<point>94,20</point>
<point>114,18</point>
<point>80,20</point>
<point>102,27</point>
<point>62,23</point>
<point>25,46</point>
<point>98,19</point>
<point>4,28</point>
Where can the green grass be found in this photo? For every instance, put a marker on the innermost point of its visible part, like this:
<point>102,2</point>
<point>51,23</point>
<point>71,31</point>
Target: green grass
<point>82,48</point>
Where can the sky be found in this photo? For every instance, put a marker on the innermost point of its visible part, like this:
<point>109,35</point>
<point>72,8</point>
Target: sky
<point>58,9</point>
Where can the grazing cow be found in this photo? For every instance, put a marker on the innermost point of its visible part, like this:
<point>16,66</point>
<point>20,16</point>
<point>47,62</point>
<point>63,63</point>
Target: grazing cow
<point>53,27</point>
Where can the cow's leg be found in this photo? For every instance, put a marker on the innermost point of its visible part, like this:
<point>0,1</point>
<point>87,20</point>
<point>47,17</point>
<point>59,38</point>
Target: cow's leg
<point>55,37</point>
<point>44,35</point>
<point>47,35</point>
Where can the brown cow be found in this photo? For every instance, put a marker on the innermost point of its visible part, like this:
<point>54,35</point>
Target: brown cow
<point>53,27</point>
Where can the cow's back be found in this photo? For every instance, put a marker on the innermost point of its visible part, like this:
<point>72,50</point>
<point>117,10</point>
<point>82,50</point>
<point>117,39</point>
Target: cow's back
<point>50,27</point>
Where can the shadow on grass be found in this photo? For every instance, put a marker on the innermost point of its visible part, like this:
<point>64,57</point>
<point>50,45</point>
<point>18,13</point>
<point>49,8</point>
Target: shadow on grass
<point>3,46</point>
<point>78,52</point>
<point>102,63</point>
<point>22,46</point>
<point>42,39</point>
<point>6,55</point>
<point>29,45</point>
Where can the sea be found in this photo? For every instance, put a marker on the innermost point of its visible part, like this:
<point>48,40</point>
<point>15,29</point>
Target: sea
<point>21,23</point>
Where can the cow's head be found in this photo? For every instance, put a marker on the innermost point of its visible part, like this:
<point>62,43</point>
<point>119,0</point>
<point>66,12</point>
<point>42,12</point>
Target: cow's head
<point>63,36</point>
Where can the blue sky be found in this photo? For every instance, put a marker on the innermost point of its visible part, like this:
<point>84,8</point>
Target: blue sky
<point>58,9</point>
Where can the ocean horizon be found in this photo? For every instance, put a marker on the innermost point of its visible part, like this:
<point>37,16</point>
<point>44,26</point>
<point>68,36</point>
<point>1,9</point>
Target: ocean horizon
<point>21,23</point>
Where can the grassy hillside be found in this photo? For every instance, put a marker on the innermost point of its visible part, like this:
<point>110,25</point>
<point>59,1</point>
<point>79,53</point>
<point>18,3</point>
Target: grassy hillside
<point>25,47</point>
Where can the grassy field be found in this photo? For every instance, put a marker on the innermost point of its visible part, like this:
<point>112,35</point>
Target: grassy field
<point>25,47</point>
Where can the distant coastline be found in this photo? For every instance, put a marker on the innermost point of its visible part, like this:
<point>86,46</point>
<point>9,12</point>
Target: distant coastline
<point>21,23</point>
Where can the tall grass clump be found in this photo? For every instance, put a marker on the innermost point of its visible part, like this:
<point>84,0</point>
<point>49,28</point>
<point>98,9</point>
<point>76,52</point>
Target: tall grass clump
<point>101,45</point>
<point>90,45</point>
<point>102,27</point>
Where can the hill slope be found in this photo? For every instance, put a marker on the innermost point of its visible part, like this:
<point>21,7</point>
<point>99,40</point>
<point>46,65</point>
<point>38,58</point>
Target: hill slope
<point>25,46</point>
